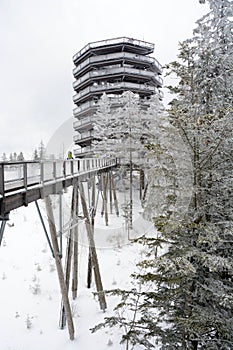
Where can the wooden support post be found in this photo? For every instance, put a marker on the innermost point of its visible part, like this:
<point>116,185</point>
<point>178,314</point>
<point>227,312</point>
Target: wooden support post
<point>2,228</point>
<point>101,189</point>
<point>75,248</point>
<point>93,202</point>
<point>114,197</point>
<point>145,192</point>
<point>104,184</point>
<point>110,190</point>
<point>68,260</point>
<point>60,224</point>
<point>92,219</point>
<point>142,182</point>
<point>2,181</point>
<point>60,273</point>
<point>102,210</point>
<point>95,264</point>
<point>131,195</point>
<point>44,227</point>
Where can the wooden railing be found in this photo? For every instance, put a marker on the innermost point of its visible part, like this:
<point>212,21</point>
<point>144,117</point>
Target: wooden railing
<point>15,176</point>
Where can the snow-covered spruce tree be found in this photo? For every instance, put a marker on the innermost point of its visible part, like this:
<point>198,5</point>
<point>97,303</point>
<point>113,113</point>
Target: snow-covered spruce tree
<point>187,290</point>
<point>122,126</point>
<point>130,319</point>
<point>193,279</point>
<point>170,168</point>
<point>122,129</point>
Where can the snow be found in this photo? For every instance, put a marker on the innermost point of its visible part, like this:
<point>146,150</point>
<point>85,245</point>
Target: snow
<point>30,292</point>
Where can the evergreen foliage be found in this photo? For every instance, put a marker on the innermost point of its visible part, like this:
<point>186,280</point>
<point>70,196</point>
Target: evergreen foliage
<point>184,289</point>
<point>20,157</point>
<point>35,155</point>
<point>122,128</point>
<point>4,157</point>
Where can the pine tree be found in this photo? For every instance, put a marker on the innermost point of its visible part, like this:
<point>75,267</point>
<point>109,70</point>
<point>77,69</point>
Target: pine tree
<point>14,156</point>
<point>122,129</point>
<point>20,157</point>
<point>41,150</point>
<point>186,278</point>
<point>35,155</point>
<point>4,157</point>
<point>193,278</point>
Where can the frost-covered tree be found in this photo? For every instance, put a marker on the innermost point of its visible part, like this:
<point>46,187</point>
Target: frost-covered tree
<point>20,156</point>
<point>122,127</point>
<point>169,168</point>
<point>4,157</point>
<point>125,125</point>
<point>41,151</point>
<point>187,289</point>
<point>128,318</point>
<point>14,156</point>
<point>35,155</point>
<point>193,288</point>
<point>203,109</point>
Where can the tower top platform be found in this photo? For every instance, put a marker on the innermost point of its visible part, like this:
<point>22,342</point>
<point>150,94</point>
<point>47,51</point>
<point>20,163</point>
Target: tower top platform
<point>103,46</point>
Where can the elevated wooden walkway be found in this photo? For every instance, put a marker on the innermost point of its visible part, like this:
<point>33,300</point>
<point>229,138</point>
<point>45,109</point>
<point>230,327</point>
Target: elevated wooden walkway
<point>24,182</point>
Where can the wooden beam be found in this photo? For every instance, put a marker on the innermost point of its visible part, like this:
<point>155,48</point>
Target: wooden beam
<point>92,219</point>
<point>94,259</point>
<point>114,196</point>
<point>104,187</point>
<point>75,248</point>
<point>60,273</point>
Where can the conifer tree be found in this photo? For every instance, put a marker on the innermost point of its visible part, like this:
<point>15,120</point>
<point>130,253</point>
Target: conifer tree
<point>41,151</point>
<point>186,277</point>
<point>35,155</point>
<point>14,156</point>
<point>4,157</point>
<point>20,156</point>
<point>121,128</point>
<point>193,278</point>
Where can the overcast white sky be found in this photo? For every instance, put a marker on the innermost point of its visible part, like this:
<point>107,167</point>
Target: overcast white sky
<point>39,38</point>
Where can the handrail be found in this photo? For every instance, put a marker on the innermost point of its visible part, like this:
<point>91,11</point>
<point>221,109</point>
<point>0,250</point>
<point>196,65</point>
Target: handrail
<point>83,121</point>
<point>114,86</point>
<point>111,42</point>
<point>97,74</point>
<point>22,175</point>
<point>85,106</point>
<point>119,55</point>
<point>83,136</point>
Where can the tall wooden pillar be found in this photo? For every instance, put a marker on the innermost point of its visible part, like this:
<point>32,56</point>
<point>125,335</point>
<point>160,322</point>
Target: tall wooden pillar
<point>58,263</point>
<point>75,247</point>
<point>69,253</point>
<point>142,182</point>
<point>110,190</point>
<point>114,196</point>
<point>104,187</point>
<point>94,260</point>
<point>92,220</point>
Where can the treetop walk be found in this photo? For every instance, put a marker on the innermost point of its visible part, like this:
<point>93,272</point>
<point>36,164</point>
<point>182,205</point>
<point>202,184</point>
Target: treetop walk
<point>23,182</point>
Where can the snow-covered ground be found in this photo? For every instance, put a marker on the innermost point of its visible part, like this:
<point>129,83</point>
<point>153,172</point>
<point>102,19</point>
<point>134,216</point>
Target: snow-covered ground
<point>30,293</point>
